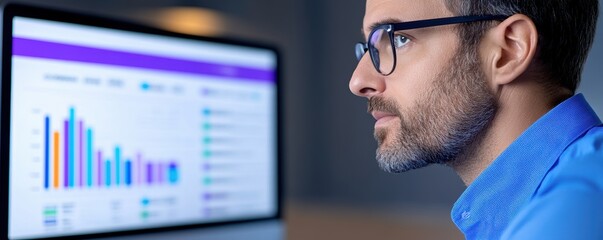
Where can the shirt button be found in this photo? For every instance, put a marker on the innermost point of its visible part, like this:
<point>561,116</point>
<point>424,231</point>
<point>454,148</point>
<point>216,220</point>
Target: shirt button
<point>465,215</point>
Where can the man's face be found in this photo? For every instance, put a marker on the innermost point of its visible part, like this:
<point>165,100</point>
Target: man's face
<point>436,102</point>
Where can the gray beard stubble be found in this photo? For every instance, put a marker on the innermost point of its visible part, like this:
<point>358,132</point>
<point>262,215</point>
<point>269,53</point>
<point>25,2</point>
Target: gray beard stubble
<point>443,122</point>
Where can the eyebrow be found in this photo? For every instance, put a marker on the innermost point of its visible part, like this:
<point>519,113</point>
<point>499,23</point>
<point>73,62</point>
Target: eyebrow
<point>379,23</point>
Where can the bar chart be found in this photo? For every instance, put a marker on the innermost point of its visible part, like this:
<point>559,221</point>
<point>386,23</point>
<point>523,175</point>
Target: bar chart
<point>72,161</point>
<point>96,147</point>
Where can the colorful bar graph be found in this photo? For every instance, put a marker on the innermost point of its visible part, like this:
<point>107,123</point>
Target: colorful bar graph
<point>46,152</point>
<point>79,168</point>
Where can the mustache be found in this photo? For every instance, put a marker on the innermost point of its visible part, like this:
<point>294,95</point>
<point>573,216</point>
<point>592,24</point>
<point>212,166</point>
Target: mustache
<point>382,105</point>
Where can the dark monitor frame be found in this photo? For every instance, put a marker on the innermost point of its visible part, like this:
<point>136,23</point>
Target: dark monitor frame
<point>11,10</point>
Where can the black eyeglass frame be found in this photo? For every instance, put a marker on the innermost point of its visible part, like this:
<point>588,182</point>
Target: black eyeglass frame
<point>362,47</point>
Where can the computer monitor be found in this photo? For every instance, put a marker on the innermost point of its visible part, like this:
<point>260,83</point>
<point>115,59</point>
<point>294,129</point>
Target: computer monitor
<point>110,128</point>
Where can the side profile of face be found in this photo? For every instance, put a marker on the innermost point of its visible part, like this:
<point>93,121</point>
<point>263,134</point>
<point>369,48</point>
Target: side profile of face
<point>436,102</point>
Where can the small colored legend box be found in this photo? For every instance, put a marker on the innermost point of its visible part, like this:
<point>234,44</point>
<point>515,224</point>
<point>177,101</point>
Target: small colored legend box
<point>50,216</point>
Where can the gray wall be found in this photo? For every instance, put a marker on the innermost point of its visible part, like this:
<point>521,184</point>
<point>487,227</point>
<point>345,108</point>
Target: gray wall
<point>592,78</point>
<point>329,144</point>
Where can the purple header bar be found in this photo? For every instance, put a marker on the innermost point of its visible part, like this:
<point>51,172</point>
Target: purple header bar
<point>66,52</point>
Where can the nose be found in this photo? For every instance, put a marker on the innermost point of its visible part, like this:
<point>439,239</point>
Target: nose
<point>366,81</point>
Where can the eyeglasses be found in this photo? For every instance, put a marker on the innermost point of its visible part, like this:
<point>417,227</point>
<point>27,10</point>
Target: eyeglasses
<point>382,43</point>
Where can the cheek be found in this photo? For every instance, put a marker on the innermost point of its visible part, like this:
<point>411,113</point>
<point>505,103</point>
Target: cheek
<point>409,82</point>
<point>418,70</point>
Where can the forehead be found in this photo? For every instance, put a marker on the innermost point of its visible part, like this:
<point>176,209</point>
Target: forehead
<point>403,10</point>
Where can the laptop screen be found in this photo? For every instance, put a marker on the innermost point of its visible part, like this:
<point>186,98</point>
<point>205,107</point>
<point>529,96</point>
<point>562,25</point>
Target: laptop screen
<point>116,130</point>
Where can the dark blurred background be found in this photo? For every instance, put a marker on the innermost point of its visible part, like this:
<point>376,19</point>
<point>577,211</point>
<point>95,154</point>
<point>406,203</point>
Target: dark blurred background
<point>334,189</point>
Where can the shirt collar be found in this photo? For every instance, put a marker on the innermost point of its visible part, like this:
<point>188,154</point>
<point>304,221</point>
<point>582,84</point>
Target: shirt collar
<point>492,200</point>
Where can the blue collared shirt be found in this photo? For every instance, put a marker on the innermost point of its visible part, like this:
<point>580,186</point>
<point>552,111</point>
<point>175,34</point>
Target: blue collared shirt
<point>548,184</point>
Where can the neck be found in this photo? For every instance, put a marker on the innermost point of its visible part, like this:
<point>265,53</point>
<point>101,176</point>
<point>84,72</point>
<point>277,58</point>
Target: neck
<point>520,105</point>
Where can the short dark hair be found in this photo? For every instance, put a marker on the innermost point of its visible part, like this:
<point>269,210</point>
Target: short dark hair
<point>566,30</point>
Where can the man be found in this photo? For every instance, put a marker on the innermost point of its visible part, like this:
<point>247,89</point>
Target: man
<point>487,87</point>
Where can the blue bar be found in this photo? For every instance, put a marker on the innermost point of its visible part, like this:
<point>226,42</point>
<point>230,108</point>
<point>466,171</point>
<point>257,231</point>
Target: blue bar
<point>71,147</point>
<point>47,152</point>
<point>128,172</point>
<point>173,173</point>
<point>117,165</point>
<point>89,149</point>
<point>108,173</point>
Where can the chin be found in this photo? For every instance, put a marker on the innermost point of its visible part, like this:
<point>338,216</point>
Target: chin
<point>386,136</point>
<point>394,164</point>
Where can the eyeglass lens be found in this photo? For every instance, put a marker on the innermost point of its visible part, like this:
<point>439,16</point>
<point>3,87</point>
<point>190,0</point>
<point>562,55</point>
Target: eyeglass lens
<point>360,50</point>
<point>380,48</point>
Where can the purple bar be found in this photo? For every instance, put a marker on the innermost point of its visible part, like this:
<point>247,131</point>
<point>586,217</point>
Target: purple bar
<point>66,167</point>
<point>149,173</point>
<point>81,148</point>
<point>59,51</point>
<point>99,156</point>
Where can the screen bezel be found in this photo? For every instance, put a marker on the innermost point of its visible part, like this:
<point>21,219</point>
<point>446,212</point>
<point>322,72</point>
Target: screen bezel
<point>12,10</point>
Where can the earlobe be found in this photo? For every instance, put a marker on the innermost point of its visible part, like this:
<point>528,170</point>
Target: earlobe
<point>514,44</point>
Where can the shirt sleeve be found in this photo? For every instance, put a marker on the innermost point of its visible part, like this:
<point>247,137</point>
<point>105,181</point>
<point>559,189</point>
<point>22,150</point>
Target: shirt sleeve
<point>569,207</point>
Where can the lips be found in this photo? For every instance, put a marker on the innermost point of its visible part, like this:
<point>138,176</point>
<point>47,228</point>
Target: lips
<point>382,118</point>
<point>381,115</point>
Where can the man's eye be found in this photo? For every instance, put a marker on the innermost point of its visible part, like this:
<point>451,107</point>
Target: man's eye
<point>400,41</point>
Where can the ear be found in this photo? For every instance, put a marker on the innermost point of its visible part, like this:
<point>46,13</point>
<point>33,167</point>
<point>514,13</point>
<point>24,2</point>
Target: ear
<point>511,47</point>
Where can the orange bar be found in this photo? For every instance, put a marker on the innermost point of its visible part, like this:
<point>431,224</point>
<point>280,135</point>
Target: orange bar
<point>56,160</point>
